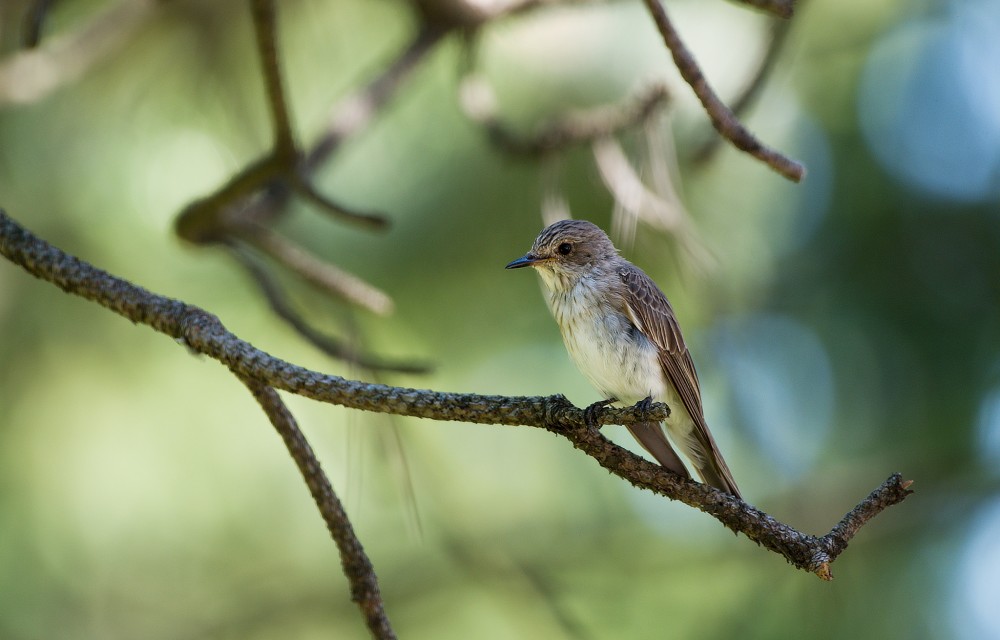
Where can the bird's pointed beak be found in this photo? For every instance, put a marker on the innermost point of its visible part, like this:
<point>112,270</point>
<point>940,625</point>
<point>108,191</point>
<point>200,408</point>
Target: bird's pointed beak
<point>526,260</point>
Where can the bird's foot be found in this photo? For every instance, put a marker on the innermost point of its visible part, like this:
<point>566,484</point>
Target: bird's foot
<point>591,413</point>
<point>645,404</point>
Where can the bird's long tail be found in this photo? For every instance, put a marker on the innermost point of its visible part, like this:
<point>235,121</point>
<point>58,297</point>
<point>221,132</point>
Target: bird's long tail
<point>652,438</point>
<point>716,473</point>
<point>709,464</point>
<point>700,447</point>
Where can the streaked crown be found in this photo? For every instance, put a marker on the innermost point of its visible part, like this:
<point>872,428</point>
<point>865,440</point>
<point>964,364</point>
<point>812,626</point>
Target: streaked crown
<point>573,242</point>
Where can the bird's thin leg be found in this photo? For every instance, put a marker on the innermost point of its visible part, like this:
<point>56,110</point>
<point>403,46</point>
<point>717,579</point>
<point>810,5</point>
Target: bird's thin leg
<point>590,414</point>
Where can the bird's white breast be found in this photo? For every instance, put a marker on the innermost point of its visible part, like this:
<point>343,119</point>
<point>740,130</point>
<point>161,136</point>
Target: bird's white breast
<point>618,359</point>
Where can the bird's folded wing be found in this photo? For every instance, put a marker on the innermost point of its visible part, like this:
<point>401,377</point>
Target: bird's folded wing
<point>652,314</point>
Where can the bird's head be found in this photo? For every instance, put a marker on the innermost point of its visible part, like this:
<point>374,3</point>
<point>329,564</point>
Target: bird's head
<point>565,251</point>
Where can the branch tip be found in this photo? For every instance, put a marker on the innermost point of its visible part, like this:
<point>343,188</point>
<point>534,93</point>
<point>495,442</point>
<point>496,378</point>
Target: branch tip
<point>824,572</point>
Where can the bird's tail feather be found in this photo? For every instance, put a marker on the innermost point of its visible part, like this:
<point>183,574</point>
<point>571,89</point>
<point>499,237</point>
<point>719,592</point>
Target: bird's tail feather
<point>700,447</point>
<point>710,466</point>
<point>719,477</point>
<point>650,435</point>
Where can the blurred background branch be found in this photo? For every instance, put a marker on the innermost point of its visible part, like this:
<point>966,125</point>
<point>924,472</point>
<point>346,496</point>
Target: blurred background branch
<point>32,74</point>
<point>34,22</point>
<point>228,216</point>
<point>332,346</point>
<point>357,567</point>
<point>265,29</point>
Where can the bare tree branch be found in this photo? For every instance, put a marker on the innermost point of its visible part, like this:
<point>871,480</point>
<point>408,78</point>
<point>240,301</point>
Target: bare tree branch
<point>243,209</point>
<point>357,567</point>
<point>204,333</point>
<point>34,21</point>
<point>32,74</point>
<point>264,24</point>
<point>316,272</point>
<point>355,111</point>
<point>724,121</point>
<point>329,345</point>
<point>336,209</point>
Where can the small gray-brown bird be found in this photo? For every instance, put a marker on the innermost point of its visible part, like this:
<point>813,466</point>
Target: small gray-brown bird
<point>622,334</point>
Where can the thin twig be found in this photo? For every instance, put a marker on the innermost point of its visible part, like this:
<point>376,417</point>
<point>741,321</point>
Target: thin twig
<point>357,567</point>
<point>243,207</point>
<point>317,272</point>
<point>203,333</point>
<point>265,27</point>
<point>34,21</point>
<point>329,345</point>
<point>876,502</point>
<point>355,111</point>
<point>348,117</point>
<point>336,209</point>
<point>283,173</point>
<point>727,124</point>
<point>219,218</point>
<point>30,75</point>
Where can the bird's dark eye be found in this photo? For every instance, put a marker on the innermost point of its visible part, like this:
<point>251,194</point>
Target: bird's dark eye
<point>565,248</point>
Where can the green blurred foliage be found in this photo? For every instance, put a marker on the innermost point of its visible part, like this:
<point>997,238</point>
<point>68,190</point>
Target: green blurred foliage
<point>143,494</point>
